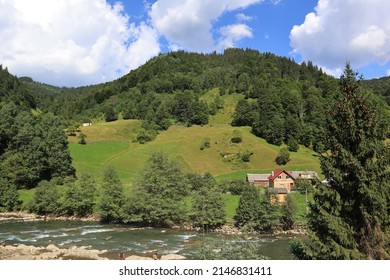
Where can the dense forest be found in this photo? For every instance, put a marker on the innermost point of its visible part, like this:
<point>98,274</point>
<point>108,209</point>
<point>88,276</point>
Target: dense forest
<point>285,102</point>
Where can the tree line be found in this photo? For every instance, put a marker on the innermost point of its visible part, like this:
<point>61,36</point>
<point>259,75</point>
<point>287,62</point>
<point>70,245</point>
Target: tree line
<point>163,196</point>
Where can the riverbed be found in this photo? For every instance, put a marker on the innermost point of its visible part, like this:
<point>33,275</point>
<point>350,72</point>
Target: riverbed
<point>133,241</point>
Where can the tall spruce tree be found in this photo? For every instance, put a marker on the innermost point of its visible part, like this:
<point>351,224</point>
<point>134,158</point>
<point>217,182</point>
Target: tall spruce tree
<point>350,216</point>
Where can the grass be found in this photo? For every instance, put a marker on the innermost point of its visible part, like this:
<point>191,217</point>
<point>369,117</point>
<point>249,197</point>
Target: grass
<point>121,130</point>
<point>231,203</point>
<point>183,145</point>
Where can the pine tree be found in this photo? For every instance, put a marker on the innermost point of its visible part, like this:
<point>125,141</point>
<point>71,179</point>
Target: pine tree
<point>350,216</point>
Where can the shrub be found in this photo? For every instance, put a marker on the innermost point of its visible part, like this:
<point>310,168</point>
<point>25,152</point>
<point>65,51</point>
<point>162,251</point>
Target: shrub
<point>236,137</point>
<point>205,143</point>
<point>246,156</point>
<point>283,157</point>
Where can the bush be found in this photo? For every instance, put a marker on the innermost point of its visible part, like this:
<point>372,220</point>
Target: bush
<point>205,143</point>
<point>236,137</point>
<point>246,156</point>
<point>82,140</point>
<point>236,187</point>
<point>283,157</point>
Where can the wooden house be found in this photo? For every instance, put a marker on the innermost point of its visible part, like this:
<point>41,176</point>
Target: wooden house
<point>282,179</point>
<point>258,180</point>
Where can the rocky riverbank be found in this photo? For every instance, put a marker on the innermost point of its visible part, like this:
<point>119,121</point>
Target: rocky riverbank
<point>52,252</point>
<point>5,216</point>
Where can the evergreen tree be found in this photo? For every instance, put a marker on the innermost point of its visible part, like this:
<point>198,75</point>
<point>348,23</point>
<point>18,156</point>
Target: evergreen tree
<point>247,212</point>
<point>112,198</point>
<point>350,217</point>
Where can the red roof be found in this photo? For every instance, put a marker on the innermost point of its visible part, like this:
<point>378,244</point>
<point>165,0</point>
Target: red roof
<point>278,172</point>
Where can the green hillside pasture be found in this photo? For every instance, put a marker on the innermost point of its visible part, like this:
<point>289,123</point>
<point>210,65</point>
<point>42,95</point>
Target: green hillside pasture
<point>96,157</point>
<point>225,115</point>
<point>183,145</point>
<point>121,130</point>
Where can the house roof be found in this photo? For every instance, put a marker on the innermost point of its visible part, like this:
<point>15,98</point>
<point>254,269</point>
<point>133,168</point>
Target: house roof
<point>278,190</point>
<point>257,177</point>
<point>278,172</point>
<point>311,174</point>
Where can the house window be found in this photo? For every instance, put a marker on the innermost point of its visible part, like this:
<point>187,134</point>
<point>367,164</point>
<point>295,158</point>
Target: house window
<point>280,177</point>
<point>287,177</point>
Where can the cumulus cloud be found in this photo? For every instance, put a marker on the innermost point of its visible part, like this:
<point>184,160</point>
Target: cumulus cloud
<point>188,24</point>
<point>344,30</point>
<point>71,43</point>
<point>233,33</point>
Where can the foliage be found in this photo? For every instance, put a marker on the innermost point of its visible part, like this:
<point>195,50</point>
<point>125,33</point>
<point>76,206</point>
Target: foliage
<point>205,143</point>
<point>158,195</point>
<point>255,213</point>
<point>208,207</point>
<point>292,145</point>
<point>109,114</point>
<point>46,199</point>
<point>349,218</point>
<point>236,187</point>
<point>9,196</point>
<point>82,137</point>
<point>244,114</point>
<point>246,156</point>
<point>303,185</point>
<point>32,148</point>
<point>239,248</point>
<point>236,137</point>
<point>248,208</point>
<point>79,198</point>
<point>112,199</point>
<point>287,214</point>
<point>283,157</point>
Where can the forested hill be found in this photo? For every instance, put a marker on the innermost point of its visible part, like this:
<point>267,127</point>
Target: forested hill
<point>380,86</point>
<point>13,90</point>
<point>236,70</point>
<point>284,101</point>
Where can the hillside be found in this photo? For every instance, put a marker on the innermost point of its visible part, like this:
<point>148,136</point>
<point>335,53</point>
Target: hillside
<point>110,144</point>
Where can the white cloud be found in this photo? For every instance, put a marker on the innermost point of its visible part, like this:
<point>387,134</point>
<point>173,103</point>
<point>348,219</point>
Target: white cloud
<point>72,43</point>
<point>243,17</point>
<point>233,33</point>
<point>344,30</point>
<point>188,24</point>
<point>388,72</point>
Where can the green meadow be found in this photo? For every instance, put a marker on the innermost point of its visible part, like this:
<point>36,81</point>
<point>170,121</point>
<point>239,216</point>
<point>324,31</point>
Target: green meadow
<point>111,144</point>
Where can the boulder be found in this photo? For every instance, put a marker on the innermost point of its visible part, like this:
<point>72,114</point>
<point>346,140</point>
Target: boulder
<point>173,257</point>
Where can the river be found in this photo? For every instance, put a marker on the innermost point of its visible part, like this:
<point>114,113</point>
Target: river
<point>115,238</point>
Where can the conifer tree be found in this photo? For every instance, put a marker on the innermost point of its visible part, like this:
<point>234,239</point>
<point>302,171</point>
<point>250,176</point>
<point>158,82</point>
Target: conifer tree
<point>350,216</point>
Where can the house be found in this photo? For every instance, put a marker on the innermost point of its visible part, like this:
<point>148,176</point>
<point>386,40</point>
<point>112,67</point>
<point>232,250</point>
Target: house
<point>258,180</point>
<point>87,124</point>
<point>282,179</point>
<point>310,175</point>
<point>278,195</point>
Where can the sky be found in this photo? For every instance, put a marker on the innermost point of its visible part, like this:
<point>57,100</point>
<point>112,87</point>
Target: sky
<point>81,42</point>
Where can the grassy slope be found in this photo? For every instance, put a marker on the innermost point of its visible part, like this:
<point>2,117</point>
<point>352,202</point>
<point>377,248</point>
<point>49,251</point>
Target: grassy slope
<point>110,144</point>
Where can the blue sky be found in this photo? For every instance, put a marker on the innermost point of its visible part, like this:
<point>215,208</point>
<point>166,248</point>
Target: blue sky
<point>81,42</point>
